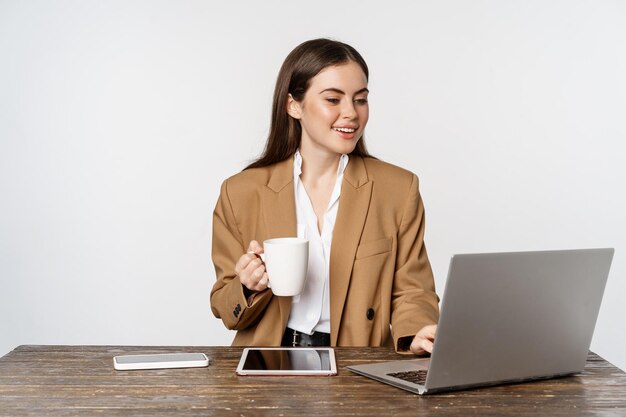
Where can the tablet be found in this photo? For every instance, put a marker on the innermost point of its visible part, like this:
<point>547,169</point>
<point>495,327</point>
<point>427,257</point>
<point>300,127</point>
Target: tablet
<point>287,361</point>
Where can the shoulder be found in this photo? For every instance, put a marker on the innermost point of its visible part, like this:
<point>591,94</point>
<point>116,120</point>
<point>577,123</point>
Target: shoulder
<point>251,181</point>
<point>248,178</point>
<point>386,173</point>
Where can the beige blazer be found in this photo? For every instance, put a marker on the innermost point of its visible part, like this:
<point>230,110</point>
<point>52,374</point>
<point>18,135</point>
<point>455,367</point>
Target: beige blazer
<point>381,282</point>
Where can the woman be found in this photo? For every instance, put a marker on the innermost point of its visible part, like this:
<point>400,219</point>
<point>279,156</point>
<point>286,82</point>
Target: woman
<point>369,281</point>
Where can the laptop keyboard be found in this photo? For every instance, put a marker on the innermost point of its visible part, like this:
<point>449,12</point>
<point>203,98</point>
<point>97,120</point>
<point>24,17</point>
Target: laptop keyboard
<point>416,377</point>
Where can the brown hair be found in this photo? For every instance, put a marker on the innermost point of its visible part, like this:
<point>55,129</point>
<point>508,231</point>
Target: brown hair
<point>302,64</point>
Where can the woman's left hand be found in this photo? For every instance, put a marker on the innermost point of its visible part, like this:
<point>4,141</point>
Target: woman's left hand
<point>424,339</point>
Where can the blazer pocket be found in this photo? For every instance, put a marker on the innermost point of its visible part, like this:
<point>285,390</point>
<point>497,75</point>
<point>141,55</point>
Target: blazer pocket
<point>374,247</point>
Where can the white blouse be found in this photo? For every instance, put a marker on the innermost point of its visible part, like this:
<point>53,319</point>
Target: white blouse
<point>310,311</point>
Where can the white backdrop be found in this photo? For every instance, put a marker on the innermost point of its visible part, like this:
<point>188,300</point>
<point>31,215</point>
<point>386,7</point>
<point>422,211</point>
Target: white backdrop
<point>120,119</point>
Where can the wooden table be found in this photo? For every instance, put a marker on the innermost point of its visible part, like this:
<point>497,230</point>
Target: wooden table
<point>81,381</point>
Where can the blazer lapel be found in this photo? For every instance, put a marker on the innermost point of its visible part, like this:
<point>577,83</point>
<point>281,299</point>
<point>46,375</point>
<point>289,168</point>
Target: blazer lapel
<point>279,204</point>
<point>356,191</point>
<point>279,212</point>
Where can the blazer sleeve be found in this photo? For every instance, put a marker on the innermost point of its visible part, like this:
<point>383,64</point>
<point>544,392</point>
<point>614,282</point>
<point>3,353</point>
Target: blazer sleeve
<point>228,299</point>
<point>414,301</point>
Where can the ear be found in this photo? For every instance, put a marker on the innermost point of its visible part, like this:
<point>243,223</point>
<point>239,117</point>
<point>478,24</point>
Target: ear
<point>293,107</point>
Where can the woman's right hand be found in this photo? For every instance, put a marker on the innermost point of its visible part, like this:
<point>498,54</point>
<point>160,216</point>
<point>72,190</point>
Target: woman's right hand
<point>250,268</point>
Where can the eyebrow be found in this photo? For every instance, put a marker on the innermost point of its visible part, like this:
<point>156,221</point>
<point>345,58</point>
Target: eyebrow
<point>336,90</point>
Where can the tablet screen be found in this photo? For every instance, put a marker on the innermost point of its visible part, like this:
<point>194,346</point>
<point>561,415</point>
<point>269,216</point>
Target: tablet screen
<point>285,361</point>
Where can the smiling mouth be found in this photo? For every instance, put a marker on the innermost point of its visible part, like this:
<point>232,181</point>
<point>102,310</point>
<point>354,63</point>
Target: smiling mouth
<point>344,129</point>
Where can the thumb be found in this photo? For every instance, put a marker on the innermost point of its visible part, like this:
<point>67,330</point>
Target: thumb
<point>255,247</point>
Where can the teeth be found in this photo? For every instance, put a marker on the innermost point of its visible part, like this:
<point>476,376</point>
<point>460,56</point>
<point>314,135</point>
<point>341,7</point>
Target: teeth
<point>345,129</point>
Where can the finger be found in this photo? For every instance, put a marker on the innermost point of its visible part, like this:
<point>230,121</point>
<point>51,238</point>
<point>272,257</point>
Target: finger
<point>258,272</point>
<point>252,276</point>
<point>421,346</point>
<point>244,262</point>
<point>255,247</point>
<point>416,347</point>
<point>253,266</point>
<point>263,282</point>
<point>427,345</point>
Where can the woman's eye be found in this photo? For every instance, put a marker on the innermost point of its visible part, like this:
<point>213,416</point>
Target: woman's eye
<point>360,101</point>
<point>332,100</point>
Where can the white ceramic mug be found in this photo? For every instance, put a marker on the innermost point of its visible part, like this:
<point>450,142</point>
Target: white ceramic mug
<point>286,262</point>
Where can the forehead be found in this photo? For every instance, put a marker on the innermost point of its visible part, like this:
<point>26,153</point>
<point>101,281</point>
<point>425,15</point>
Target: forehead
<point>348,77</point>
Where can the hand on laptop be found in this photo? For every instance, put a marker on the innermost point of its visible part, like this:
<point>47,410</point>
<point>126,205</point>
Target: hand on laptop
<point>423,340</point>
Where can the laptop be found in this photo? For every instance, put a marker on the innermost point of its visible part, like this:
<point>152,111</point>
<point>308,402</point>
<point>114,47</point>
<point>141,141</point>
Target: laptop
<point>507,318</point>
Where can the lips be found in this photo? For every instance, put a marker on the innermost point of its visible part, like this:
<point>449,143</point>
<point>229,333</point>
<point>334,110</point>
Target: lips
<point>344,132</point>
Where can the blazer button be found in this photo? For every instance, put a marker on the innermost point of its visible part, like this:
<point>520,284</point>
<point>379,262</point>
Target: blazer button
<point>370,314</point>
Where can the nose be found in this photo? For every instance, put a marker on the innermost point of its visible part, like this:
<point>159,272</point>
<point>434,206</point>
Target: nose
<point>348,111</point>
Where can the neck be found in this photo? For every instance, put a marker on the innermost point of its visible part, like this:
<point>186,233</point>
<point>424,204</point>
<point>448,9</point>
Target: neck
<point>318,165</point>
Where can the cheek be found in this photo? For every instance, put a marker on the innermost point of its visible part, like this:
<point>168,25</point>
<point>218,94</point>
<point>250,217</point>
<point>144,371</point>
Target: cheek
<point>326,114</point>
<point>364,114</point>
<point>321,114</point>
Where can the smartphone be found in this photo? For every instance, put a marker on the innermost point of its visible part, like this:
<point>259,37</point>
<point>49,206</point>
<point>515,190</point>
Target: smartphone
<point>160,361</point>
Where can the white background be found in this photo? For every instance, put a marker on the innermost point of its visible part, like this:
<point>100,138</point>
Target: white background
<point>120,119</point>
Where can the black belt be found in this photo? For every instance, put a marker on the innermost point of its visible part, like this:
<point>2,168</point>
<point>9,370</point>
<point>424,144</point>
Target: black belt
<point>298,339</point>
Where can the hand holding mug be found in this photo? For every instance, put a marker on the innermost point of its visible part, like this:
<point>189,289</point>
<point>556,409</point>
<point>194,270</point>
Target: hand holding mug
<point>286,260</point>
<point>250,268</point>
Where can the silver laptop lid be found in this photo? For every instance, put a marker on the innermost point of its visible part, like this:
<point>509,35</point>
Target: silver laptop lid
<point>516,316</point>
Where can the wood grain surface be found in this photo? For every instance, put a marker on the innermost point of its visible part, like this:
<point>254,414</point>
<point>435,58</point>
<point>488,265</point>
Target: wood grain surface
<point>81,381</point>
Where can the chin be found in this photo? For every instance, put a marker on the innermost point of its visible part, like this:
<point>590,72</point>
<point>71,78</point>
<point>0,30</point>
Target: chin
<point>346,147</point>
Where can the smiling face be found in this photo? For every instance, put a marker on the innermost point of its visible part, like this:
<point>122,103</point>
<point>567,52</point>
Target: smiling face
<point>334,110</point>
